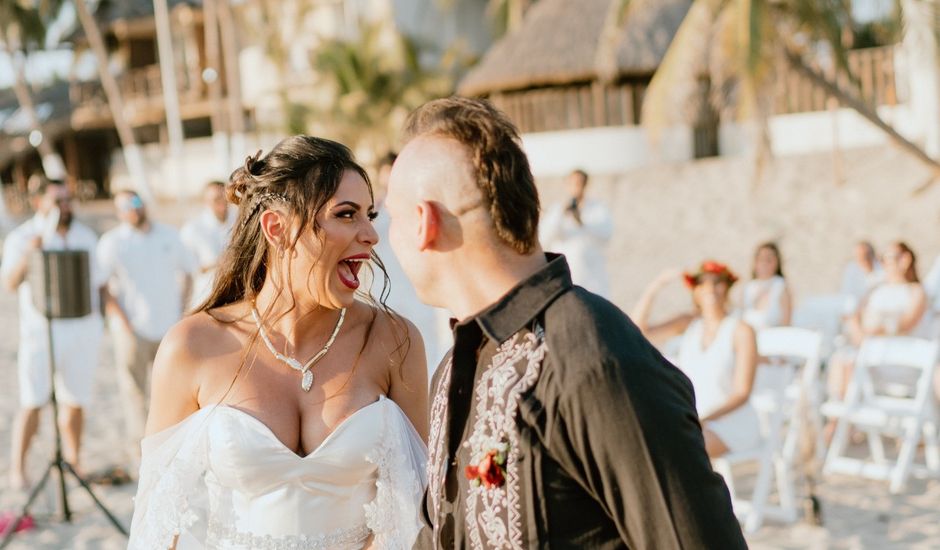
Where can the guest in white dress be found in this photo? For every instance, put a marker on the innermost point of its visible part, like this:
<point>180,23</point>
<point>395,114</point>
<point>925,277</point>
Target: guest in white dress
<point>860,275</point>
<point>580,228</point>
<point>897,306</point>
<point>206,236</point>
<point>718,353</point>
<point>290,411</point>
<point>767,301</point>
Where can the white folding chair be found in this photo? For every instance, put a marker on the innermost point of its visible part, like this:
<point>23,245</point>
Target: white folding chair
<point>882,401</point>
<point>776,397</point>
<point>823,314</point>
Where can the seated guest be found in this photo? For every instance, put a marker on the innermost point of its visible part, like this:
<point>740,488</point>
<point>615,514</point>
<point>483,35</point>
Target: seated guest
<point>718,353</point>
<point>896,306</point>
<point>860,275</point>
<point>767,300</point>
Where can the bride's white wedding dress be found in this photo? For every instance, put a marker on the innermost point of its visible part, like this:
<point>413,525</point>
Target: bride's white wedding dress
<point>221,479</point>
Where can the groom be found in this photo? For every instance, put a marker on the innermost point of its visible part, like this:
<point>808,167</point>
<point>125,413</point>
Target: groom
<point>554,423</point>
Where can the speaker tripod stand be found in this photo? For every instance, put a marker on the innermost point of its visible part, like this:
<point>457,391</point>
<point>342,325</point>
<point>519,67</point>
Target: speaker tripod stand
<point>51,259</point>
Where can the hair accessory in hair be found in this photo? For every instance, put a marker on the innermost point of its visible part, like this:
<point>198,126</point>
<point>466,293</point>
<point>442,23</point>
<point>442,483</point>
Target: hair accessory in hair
<point>710,267</point>
<point>263,198</point>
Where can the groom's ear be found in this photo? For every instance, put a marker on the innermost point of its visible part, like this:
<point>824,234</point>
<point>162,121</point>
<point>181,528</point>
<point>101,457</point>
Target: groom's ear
<point>429,225</point>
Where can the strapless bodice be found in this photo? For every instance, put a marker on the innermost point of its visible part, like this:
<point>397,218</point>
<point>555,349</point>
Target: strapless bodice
<point>221,479</point>
<point>276,493</point>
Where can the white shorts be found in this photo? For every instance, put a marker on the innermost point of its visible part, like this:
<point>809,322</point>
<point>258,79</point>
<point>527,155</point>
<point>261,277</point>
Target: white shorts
<point>76,344</point>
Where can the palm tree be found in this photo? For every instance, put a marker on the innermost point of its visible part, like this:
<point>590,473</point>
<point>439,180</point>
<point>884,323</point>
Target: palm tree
<point>507,14</point>
<point>735,45</point>
<point>22,28</point>
<point>131,150</point>
<point>376,81</point>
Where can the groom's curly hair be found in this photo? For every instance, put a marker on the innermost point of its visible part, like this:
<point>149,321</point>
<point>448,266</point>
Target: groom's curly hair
<point>500,165</point>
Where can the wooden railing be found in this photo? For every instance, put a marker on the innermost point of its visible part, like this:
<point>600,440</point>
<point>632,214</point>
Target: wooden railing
<point>873,69</point>
<point>583,105</point>
<point>141,89</point>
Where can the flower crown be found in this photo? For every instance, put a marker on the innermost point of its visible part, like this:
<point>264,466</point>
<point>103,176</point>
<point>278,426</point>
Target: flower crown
<point>710,267</point>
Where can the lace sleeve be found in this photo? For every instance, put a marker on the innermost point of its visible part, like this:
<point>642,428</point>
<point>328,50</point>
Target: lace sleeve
<point>171,495</point>
<point>394,515</point>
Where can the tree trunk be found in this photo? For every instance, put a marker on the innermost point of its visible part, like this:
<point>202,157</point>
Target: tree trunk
<point>216,100</point>
<point>232,78</point>
<point>52,163</point>
<point>129,147</point>
<point>867,112</point>
<point>171,100</point>
<point>920,48</point>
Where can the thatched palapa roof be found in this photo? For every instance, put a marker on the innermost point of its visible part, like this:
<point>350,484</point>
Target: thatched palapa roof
<point>558,41</point>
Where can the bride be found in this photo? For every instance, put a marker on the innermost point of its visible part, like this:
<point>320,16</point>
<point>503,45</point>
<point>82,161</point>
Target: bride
<point>285,412</point>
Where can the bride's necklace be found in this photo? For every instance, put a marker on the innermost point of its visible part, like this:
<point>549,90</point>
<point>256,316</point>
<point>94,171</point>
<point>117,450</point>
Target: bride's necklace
<point>306,381</point>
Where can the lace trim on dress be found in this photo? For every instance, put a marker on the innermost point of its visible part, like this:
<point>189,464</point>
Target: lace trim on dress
<point>341,539</point>
<point>169,501</point>
<point>393,515</point>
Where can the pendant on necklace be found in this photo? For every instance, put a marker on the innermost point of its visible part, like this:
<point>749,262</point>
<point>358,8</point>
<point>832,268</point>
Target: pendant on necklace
<point>307,381</point>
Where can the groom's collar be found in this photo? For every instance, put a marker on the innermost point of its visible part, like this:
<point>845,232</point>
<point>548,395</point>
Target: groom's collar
<point>525,301</point>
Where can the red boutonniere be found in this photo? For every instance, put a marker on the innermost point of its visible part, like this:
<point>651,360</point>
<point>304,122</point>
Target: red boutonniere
<point>489,470</point>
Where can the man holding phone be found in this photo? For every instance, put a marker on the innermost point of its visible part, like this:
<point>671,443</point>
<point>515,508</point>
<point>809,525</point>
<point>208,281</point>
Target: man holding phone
<point>580,229</point>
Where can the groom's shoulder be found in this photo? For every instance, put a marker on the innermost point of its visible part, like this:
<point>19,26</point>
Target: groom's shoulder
<point>590,321</point>
<point>587,335</point>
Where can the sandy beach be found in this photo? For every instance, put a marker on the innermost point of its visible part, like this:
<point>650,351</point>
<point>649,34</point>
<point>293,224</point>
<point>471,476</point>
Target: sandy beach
<point>857,514</point>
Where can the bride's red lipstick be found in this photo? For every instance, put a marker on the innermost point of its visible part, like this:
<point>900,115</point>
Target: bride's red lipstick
<point>348,270</point>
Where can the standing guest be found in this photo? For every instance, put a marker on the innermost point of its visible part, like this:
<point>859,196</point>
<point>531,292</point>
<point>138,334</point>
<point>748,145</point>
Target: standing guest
<point>718,353</point>
<point>895,307</point>
<point>579,229</point>
<point>76,341</point>
<point>860,275</point>
<point>554,423</point>
<point>206,237</point>
<point>149,279</point>
<point>767,301</point>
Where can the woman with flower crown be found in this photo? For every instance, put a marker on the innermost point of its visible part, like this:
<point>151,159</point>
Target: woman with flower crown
<point>718,353</point>
<point>288,411</point>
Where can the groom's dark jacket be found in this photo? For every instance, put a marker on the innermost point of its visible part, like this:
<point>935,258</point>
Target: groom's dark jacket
<point>556,424</point>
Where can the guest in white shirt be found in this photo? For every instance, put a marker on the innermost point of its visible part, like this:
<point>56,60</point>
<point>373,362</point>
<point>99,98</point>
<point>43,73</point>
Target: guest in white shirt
<point>149,279</point>
<point>767,302</point>
<point>860,275</point>
<point>206,236</point>
<point>76,341</point>
<point>580,228</point>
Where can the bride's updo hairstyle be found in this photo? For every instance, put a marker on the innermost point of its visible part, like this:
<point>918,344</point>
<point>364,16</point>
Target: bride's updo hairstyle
<point>298,176</point>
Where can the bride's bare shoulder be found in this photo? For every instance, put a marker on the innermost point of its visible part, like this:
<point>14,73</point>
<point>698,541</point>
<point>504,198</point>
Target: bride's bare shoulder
<point>203,335</point>
<point>391,335</point>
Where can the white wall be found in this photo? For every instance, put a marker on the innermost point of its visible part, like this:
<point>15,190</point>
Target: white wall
<point>822,131</point>
<point>614,150</point>
<point>609,150</point>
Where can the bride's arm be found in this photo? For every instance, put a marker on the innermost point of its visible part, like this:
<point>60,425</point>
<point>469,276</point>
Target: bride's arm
<point>174,388</point>
<point>409,382</point>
